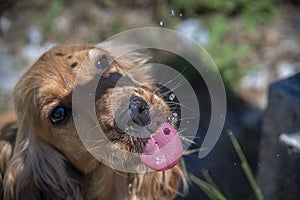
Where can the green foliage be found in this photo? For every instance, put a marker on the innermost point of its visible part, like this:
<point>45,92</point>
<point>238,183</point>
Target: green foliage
<point>245,166</point>
<point>256,12</point>
<point>103,2</point>
<point>55,9</point>
<point>224,52</point>
<point>212,190</point>
<point>219,14</point>
<point>46,14</point>
<point>253,10</point>
<point>209,189</point>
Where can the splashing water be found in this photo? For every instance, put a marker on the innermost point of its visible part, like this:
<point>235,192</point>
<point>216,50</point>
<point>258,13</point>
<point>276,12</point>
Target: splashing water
<point>171,96</point>
<point>171,13</point>
<point>174,118</point>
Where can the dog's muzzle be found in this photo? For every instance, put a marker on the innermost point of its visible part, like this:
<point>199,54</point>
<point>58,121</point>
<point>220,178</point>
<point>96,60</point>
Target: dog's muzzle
<point>162,149</point>
<point>134,119</point>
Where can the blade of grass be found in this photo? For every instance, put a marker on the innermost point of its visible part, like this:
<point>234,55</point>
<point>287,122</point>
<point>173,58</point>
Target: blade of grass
<point>208,189</point>
<point>245,166</point>
<point>209,179</point>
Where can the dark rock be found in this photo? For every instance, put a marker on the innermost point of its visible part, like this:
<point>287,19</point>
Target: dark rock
<point>279,170</point>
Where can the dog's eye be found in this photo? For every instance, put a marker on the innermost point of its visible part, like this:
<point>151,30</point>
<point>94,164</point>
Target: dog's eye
<point>59,114</point>
<point>102,63</point>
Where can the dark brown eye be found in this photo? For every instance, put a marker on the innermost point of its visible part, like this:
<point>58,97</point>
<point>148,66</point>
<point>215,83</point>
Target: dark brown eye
<point>102,63</point>
<point>59,114</point>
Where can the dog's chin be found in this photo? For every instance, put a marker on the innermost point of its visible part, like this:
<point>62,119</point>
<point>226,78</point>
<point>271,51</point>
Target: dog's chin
<point>159,145</point>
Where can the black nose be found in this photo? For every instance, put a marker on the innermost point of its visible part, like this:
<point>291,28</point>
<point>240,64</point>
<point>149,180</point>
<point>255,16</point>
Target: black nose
<point>139,111</point>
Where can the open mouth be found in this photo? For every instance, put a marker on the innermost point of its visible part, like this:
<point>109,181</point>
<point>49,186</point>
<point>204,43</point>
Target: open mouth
<point>162,149</point>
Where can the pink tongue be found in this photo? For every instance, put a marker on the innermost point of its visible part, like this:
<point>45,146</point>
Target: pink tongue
<point>163,150</point>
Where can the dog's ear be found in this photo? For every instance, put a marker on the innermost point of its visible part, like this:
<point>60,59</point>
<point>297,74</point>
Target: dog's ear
<point>132,59</point>
<point>7,142</point>
<point>37,170</point>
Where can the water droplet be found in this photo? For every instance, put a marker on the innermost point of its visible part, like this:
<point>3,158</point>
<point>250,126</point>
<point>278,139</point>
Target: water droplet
<point>234,164</point>
<point>174,118</point>
<point>160,159</point>
<point>171,13</point>
<point>172,96</point>
<point>180,14</point>
<point>161,23</point>
<point>278,155</point>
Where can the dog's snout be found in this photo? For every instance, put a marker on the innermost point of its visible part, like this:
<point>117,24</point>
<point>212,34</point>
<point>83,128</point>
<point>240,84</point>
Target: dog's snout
<point>139,111</point>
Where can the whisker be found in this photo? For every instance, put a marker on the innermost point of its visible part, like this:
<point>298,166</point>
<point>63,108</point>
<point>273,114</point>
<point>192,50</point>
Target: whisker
<point>132,142</point>
<point>179,104</point>
<point>188,118</point>
<point>122,163</point>
<point>179,84</point>
<point>112,167</point>
<point>170,81</point>
<point>93,148</point>
<point>89,140</point>
<point>191,151</point>
<point>91,129</point>
<point>187,140</point>
<point>187,136</point>
<point>156,76</point>
<point>182,130</point>
<point>96,142</point>
<point>110,161</point>
<point>158,88</point>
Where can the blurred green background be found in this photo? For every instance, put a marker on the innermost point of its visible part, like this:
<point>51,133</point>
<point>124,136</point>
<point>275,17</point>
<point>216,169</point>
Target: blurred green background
<point>253,43</point>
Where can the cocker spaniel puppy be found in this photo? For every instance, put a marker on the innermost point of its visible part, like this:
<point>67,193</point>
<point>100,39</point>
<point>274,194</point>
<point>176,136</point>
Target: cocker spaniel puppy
<point>43,155</point>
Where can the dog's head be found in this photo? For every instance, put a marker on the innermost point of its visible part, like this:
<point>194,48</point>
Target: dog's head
<point>128,108</point>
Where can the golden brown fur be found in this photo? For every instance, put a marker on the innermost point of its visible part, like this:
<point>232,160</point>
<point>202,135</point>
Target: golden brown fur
<point>39,160</point>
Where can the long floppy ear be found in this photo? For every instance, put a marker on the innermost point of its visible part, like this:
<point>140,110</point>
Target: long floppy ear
<point>38,171</point>
<point>7,142</point>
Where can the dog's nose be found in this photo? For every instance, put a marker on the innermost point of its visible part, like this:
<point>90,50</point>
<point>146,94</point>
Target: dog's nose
<point>139,111</point>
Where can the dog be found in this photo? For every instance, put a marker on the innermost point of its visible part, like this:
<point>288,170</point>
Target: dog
<point>42,155</point>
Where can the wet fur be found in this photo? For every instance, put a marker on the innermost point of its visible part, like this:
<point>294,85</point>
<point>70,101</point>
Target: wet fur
<point>39,161</point>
